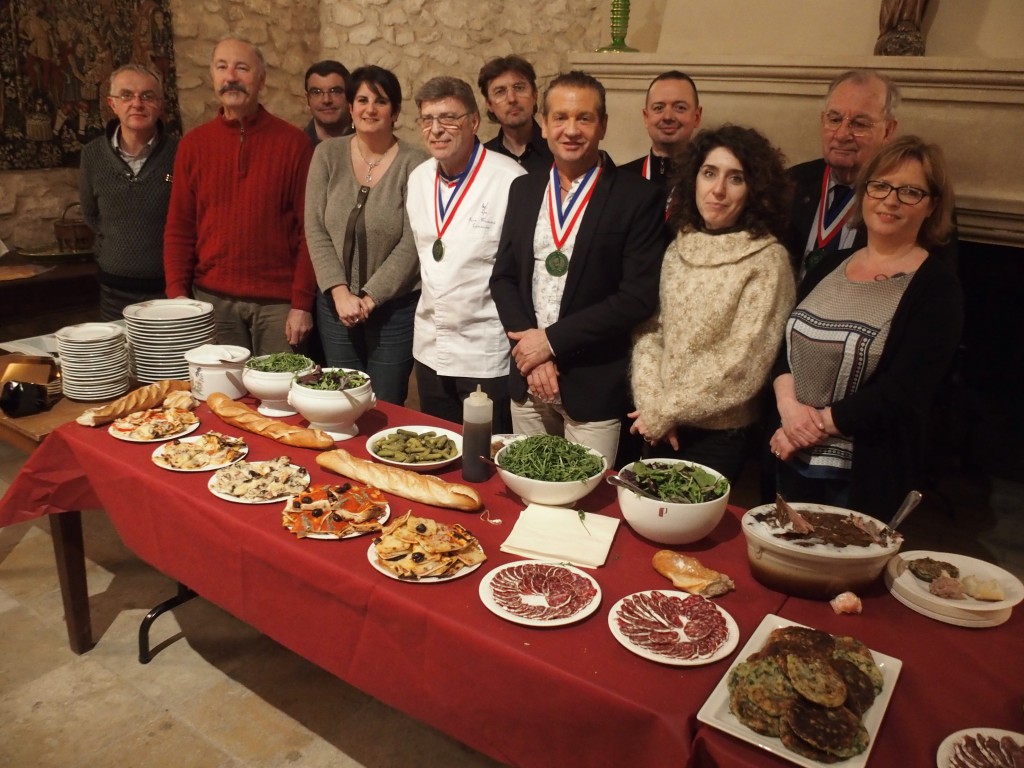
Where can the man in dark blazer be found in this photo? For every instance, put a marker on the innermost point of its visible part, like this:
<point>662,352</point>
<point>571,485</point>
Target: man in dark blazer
<point>577,269</point>
<point>859,117</point>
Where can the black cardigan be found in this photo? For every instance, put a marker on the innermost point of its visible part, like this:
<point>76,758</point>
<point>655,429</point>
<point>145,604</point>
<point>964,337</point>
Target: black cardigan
<point>887,416</point>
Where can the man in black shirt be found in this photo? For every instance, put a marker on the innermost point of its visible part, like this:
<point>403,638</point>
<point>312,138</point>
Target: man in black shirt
<point>672,113</point>
<point>509,86</point>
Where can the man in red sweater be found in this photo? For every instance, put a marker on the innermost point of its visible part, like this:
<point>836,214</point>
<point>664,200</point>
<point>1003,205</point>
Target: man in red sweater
<point>234,234</point>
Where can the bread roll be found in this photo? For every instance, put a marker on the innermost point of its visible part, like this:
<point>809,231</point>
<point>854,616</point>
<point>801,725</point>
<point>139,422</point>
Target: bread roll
<point>141,399</point>
<point>426,489</point>
<point>687,573</point>
<point>242,416</point>
<point>180,400</point>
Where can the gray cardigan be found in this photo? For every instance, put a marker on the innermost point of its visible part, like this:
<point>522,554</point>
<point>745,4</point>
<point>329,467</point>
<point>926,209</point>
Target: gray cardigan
<point>331,191</point>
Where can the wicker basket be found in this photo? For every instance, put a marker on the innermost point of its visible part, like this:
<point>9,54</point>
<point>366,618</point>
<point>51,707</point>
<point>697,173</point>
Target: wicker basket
<point>73,234</point>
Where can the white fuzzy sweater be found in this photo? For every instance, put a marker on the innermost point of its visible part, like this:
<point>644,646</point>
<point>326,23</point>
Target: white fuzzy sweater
<point>704,357</point>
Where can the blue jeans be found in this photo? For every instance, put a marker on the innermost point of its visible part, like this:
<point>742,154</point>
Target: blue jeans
<point>381,347</point>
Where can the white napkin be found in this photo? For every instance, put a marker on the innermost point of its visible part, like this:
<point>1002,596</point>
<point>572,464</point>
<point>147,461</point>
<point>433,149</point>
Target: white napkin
<point>556,533</point>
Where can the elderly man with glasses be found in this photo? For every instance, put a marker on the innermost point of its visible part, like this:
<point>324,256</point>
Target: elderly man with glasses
<point>124,187</point>
<point>858,118</point>
<point>325,96</point>
<point>456,206</point>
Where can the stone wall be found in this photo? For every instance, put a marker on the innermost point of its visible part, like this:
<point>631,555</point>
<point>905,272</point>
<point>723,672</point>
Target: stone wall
<point>416,38</point>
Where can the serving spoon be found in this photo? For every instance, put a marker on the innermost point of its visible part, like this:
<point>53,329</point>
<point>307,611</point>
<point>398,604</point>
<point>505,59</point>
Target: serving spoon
<point>909,504</point>
<point>624,483</point>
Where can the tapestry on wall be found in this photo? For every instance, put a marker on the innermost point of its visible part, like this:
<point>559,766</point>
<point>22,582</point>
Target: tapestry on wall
<point>56,57</point>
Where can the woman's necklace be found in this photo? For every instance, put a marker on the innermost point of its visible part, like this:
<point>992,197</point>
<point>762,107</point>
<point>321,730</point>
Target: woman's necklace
<point>370,164</point>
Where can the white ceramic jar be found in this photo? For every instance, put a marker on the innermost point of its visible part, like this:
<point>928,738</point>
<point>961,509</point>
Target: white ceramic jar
<point>217,368</point>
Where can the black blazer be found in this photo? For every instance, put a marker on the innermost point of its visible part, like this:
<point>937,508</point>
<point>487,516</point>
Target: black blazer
<point>611,286</point>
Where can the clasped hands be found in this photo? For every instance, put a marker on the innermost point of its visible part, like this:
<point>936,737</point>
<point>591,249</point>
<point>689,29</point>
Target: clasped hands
<point>534,360</point>
<point>352,309</point>
<point>802,427</point>
<point>639,427</point>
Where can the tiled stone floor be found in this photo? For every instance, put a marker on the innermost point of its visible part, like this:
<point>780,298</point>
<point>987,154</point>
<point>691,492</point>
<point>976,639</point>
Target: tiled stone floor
<point>219,694</point>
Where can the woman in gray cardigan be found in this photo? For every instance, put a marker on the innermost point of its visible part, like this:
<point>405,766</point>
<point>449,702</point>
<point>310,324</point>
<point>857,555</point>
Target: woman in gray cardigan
<point>360,241</point>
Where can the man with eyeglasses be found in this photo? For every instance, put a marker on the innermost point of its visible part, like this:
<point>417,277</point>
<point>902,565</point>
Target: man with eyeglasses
<point>577,270</point>
<point>671,113</point>
<point>325,95</point>
<point>509,86</point>
<point>858,118</point>
<point>234,236</point>
<point>456,205</point>
<point>124,187</point>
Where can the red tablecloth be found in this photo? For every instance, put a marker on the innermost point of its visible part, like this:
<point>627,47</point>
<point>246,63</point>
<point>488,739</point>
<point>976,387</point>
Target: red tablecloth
<point>528,697</point>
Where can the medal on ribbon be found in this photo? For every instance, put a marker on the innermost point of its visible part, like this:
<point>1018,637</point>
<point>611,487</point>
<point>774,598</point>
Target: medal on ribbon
<point>828,230</point>
<point>444,212</point>
<point>564,218</point>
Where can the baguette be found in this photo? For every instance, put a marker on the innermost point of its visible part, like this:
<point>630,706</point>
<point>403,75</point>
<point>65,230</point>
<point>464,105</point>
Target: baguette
<point>242,416</point>
<point>425,489</point>
<point>689,574</point>
<point>141,399</point>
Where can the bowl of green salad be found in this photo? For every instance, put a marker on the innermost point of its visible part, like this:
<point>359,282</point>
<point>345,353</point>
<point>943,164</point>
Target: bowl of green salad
<point>681,501</point>
<point>548,469</point>
<point>269,377</point>
<point>332,399</point>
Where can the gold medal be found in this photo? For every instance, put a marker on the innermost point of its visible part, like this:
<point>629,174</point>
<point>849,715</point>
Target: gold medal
<point>438,250</point>
<point>557,264</point>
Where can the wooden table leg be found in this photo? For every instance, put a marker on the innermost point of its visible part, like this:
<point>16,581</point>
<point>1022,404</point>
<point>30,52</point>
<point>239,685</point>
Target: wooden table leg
<point>69,552</point>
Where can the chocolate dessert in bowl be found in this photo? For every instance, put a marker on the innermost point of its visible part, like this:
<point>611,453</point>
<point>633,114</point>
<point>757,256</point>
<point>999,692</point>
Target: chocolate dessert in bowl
<point>816,551</point>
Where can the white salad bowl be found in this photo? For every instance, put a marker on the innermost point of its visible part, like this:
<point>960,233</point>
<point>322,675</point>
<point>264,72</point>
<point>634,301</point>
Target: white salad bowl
<point>667,522</point>
<point>333,411</point>
<point>556,494</point>
<point>271,387</point>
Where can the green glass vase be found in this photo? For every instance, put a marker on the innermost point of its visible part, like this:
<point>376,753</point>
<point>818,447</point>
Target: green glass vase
<point>619,25</point>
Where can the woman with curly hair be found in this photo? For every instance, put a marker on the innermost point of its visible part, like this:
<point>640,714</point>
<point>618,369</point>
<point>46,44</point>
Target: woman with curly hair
<point>700,364</point>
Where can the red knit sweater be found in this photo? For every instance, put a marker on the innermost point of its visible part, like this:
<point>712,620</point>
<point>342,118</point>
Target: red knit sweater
<point>235,222</point>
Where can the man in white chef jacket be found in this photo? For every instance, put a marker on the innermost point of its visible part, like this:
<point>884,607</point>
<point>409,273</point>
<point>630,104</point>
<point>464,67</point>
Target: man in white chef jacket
<point>456,204</point>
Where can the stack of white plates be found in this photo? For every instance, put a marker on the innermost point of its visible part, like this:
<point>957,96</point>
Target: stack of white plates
<point>161,331</point>
<point>968,612</point>
<point>94,361</point>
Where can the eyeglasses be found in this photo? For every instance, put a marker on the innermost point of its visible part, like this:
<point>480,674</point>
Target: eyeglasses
<point>319,93</point>
<point>880,190</point>
<point>519,89</point>
<point>127,97</point>
<point>858,126</point>
<point>448,122</point>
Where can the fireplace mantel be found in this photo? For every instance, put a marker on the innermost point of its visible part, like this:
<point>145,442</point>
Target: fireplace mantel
<point>973,108</point>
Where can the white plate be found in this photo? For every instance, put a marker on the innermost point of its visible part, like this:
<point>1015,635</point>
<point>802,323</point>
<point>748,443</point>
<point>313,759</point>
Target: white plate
<point>978,621</point>
<point>726,648</point>
<point>944,757</point>
<point>371,555</point>
<point>89,332</point>
<point>917,590</point>
<point>188,429</point>
<point>237,500</point>
<point>422,466</point>
<point>332,537</point>
<point>715,711</point>
<point>487,596</point>
<point>159,452</point>
<point>167,309</point>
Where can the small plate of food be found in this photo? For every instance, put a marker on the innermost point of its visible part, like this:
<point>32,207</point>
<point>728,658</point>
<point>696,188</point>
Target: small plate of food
<point>425,551</point>
<point>539,594</point>
<point>200,453</point>
<point>944,580</point>
<point>333,512</point>
<point>259,482</point>
<point>417,448</point>
<point>154,425</point>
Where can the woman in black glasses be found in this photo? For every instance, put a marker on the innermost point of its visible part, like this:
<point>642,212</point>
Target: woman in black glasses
<point>360,241</point>
<point>869,342</point>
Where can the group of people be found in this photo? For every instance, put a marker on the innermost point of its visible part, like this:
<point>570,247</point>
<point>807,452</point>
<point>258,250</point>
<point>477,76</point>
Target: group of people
<point>666,299</point>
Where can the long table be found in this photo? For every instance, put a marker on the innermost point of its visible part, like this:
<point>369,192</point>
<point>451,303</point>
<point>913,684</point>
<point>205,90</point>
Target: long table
<point>527,697</point>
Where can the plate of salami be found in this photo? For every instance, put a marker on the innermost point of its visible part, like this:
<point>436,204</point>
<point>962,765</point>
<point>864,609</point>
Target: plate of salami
<point>981,746</point>
<point>673,627</point>
<point>539,594</point>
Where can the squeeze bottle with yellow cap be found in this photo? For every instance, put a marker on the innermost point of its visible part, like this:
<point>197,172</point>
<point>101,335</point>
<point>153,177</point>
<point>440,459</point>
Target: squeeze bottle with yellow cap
<point>477,415</point>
